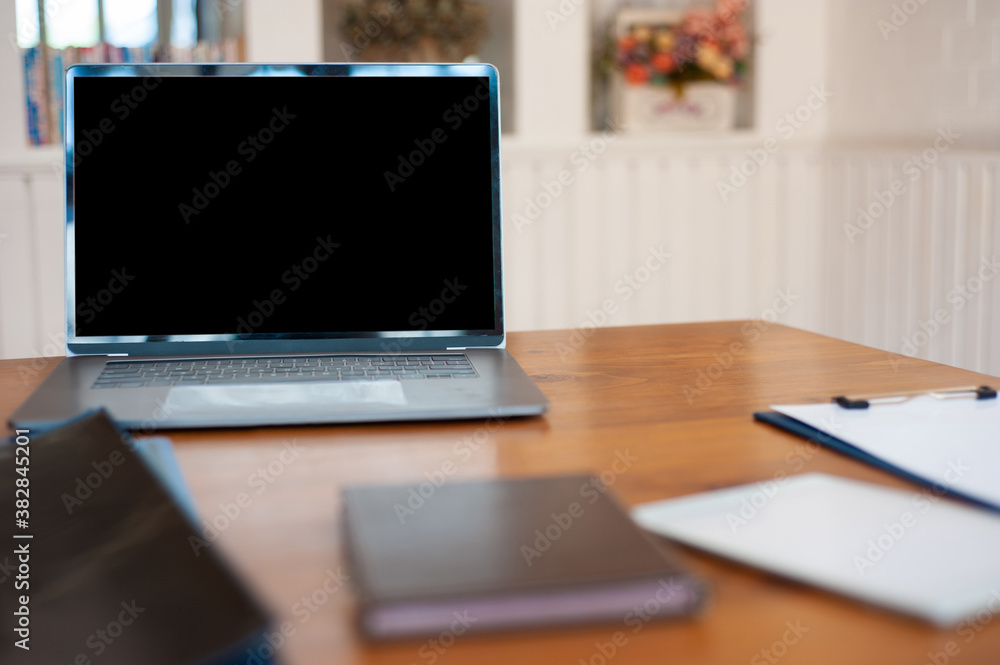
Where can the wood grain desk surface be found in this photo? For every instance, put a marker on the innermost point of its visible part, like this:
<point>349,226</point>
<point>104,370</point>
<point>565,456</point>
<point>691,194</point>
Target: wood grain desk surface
<point>675,400</point>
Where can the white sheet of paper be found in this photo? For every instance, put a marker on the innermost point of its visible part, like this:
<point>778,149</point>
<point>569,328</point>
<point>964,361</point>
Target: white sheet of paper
<point>922,555</point>
<point>951,442</point>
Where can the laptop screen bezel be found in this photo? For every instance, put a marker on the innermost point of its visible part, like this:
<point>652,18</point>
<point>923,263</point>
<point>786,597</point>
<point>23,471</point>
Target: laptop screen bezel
<point>258,343</point>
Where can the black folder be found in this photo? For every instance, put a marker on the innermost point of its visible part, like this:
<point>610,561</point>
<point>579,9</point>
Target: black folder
<point>110,572</point>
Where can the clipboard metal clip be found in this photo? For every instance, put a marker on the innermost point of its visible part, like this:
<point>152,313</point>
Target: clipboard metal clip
<point>874,399</point>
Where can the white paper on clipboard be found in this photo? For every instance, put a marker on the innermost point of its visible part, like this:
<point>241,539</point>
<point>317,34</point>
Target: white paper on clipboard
<point>953,442</point>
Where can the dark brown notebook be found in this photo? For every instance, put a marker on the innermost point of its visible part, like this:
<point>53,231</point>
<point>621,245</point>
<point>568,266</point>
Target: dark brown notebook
<point>497,554</point>
<point>111,575</point>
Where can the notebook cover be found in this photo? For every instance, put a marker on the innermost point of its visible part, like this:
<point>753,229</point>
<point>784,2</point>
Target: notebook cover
<point>113,576</point>
<point>512,541</point>
<point>781,421</point>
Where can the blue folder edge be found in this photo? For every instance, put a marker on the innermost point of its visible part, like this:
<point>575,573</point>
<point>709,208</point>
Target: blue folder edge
<point>157,453</point>
<point>789,424</point>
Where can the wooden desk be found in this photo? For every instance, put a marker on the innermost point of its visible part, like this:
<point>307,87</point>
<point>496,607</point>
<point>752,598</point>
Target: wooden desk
<point>620,390</point>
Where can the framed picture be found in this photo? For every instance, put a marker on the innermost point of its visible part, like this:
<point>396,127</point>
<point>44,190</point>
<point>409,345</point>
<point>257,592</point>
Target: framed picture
<point>678,70</point>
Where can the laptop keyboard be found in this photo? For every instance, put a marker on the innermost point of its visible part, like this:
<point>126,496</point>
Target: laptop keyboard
<point>163,373</point>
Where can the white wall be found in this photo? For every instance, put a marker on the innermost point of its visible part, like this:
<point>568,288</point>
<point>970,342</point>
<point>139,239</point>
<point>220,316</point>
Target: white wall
<point>284,30</point>
<point>792,56</point>
<point>554,91</point>
<point>940,66</point>
<point>906,74</point>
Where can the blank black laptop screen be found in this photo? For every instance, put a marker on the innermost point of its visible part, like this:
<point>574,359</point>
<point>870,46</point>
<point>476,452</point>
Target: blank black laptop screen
<point>296,205</point>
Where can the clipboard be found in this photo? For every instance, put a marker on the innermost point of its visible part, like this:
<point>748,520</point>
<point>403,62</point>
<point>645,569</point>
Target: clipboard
<point>826,440</point>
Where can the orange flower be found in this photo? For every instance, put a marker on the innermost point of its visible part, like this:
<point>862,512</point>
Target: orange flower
<point>662,62</point>
<point>636,74</point>
<point>626,44</point>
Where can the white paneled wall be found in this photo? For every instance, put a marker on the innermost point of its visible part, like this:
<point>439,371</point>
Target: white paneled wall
<point>31,262</point>
<point>590,252</point>
<point>728,259</point>
<point>923,279</point>
<point>920,278</point>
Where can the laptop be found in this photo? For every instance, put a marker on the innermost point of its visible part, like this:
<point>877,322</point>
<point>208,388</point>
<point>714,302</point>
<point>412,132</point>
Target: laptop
<point>277,244</point>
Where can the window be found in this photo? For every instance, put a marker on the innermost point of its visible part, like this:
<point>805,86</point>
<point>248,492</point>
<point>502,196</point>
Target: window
<point>54,34</point>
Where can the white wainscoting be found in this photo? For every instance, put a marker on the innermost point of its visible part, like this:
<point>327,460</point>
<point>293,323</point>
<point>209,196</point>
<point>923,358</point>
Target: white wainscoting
<point>792,228</point>
<point>923,279</point>
<point>776,248</point>
<point>31,261</point>
<point>728,259</point>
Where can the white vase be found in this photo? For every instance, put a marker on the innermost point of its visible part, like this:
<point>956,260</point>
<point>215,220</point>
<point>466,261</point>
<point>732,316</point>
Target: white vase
<point>702,106</point>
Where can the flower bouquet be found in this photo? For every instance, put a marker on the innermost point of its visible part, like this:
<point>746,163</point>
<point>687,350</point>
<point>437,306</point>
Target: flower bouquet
<point>679,70</point>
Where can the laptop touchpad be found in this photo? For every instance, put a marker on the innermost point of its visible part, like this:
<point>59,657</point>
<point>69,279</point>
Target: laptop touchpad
<point>288,398</point>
